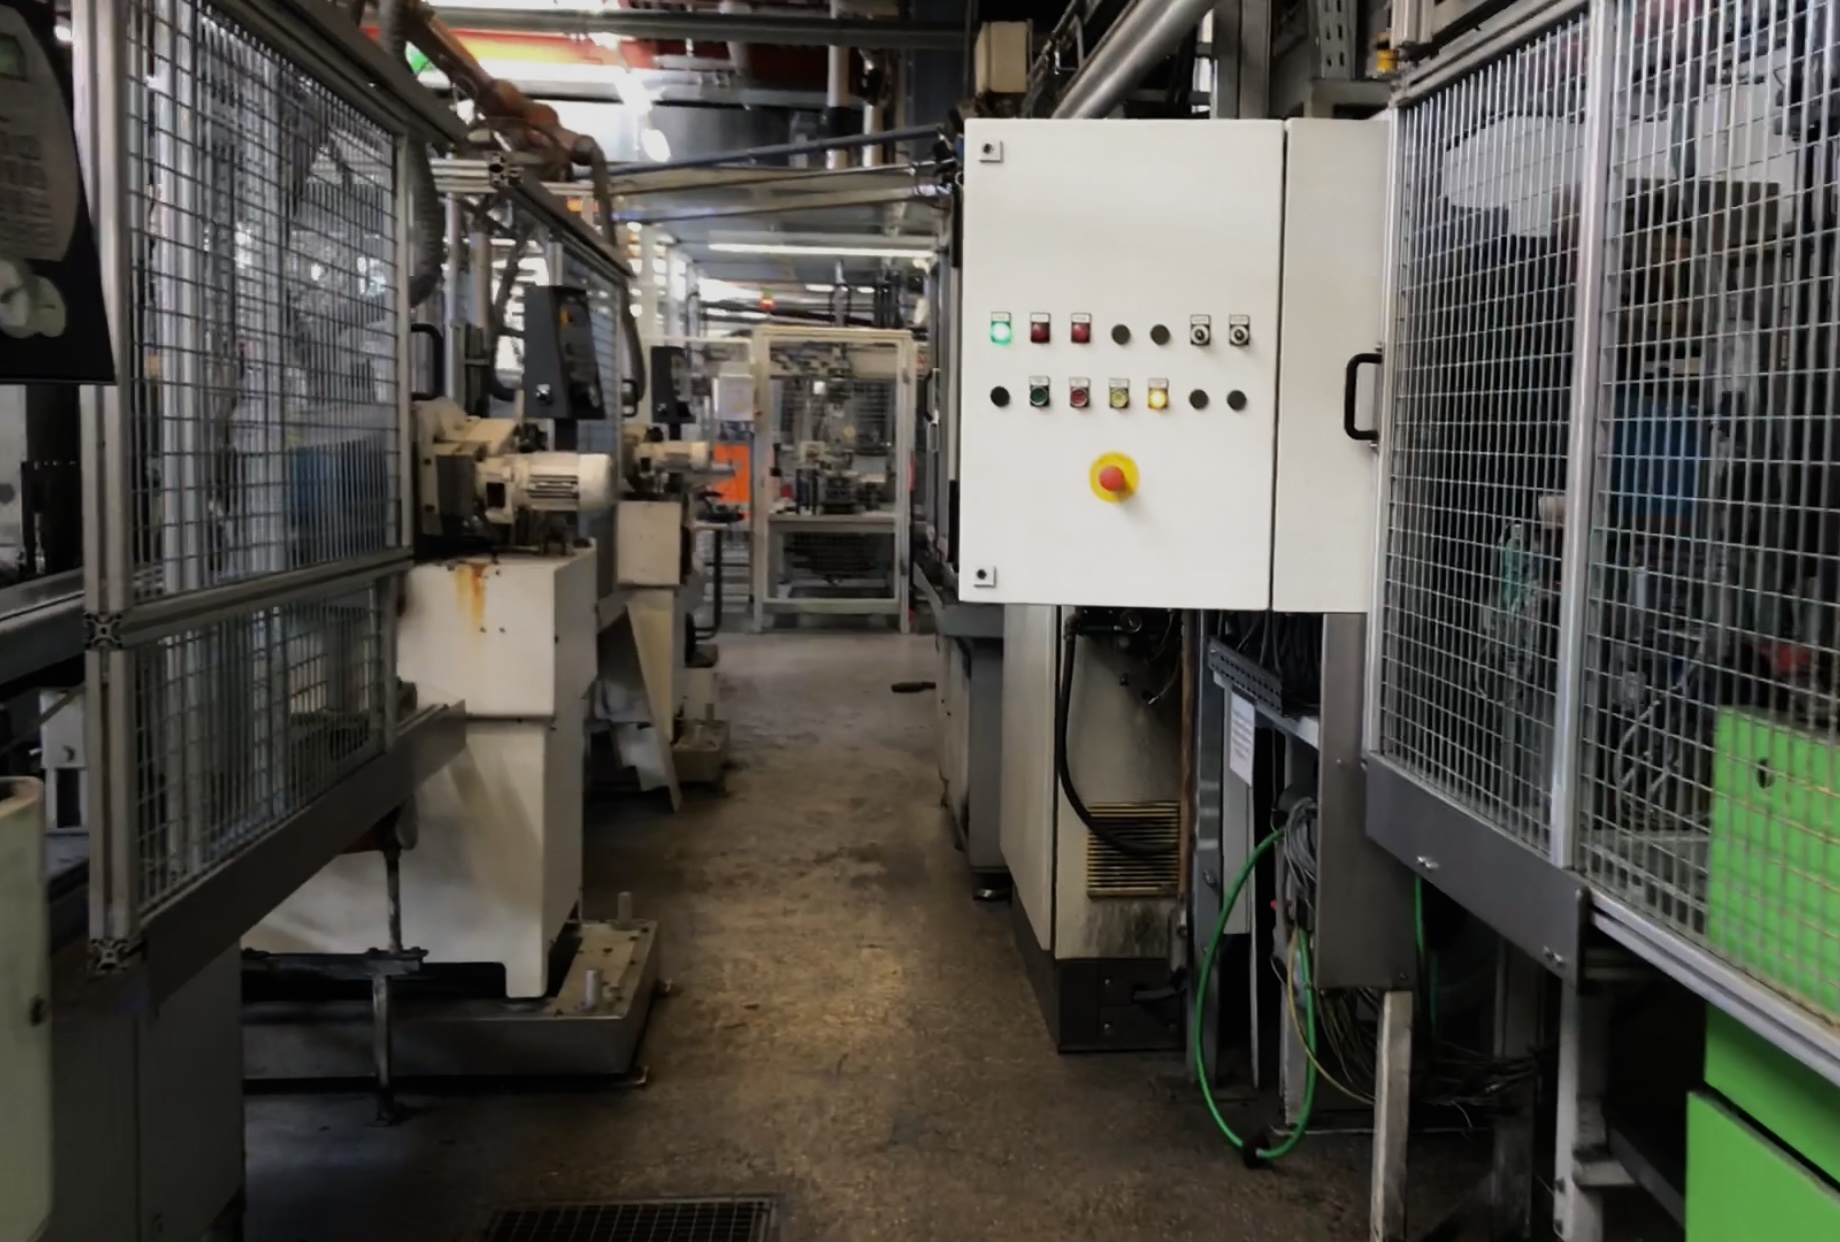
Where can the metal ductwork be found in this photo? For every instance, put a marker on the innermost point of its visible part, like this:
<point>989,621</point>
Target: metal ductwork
<point>1144,34</point>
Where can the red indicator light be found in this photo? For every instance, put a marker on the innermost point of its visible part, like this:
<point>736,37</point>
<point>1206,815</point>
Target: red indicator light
<point>1081,331</point>
<point>1078,397</point>
<point>1038,331</point>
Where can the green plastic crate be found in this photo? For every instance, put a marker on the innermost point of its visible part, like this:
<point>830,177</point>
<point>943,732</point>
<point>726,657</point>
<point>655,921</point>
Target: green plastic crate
<point>1773,871</point>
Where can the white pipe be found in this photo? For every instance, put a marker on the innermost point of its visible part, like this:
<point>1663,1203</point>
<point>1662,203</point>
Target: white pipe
<point>837,95</point>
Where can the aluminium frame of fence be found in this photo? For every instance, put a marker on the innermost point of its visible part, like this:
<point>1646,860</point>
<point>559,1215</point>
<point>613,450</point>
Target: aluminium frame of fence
<point>1609,527</point>
<point>770,530</point>
<point>245,490</point>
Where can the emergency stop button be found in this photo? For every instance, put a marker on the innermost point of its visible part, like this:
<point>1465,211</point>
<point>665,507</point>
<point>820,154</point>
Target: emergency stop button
<point>1113,477</point>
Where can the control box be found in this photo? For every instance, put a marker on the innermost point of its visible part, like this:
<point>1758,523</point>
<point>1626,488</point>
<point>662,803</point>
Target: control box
<point>1161,322</point>
<point>562,376</point>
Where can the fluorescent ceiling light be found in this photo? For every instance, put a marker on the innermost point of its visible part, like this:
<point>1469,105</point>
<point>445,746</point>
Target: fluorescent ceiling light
<point>816,252</point>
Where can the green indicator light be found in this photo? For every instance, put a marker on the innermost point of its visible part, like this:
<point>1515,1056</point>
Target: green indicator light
<point>1000,331</point>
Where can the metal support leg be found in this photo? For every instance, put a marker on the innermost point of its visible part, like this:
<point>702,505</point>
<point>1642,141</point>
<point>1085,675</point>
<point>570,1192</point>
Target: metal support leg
<point>382,1047</point>
<point>1520,986</point>
<point>1582,1167</point>
<point>1392,1113</point>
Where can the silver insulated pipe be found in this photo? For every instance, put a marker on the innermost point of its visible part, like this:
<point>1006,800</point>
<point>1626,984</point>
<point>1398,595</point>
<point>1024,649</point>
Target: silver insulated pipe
<point>1143,35</point>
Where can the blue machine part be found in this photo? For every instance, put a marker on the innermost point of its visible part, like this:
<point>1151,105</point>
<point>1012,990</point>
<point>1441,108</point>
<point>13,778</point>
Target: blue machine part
<point>1657,459</point>
<point>341,502</point>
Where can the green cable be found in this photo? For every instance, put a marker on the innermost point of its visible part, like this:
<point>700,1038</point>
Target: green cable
<point>1289,1141</point>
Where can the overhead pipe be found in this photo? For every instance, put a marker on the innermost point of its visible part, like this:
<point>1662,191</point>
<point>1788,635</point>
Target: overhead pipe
<point>706,26</point>
<point>838,97</point>
<point>1144,34</point>
<point>740,53</point>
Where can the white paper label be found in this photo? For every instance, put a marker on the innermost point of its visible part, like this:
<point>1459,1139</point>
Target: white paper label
<point>1242,731</point>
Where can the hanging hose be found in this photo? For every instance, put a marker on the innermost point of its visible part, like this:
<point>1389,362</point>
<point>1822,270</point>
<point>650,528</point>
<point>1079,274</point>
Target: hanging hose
<point>1063,703</point>
<point>427,227</point>
<point>1255,1151</point>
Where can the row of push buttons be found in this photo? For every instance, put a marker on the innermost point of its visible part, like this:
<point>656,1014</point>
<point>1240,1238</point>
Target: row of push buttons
<point>1041,330</point>
<point>1079,395</point>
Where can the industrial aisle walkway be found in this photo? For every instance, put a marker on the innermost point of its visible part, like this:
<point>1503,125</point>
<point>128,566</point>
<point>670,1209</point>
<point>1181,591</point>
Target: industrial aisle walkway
<point>850,1031</point>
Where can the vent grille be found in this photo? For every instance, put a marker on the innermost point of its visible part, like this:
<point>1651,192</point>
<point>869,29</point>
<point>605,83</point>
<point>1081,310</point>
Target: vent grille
<point>1153,825</point>
<point>654,1220</point>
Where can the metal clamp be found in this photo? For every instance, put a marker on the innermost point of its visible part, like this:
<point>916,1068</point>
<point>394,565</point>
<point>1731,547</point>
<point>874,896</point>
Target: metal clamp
<point>102,631</point>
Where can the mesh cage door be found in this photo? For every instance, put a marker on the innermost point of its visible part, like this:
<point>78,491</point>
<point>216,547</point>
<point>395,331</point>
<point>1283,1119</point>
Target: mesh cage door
<point>1487,186</point>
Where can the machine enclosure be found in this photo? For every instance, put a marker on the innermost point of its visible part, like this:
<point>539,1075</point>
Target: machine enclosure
<point>1241,300</point>
<point>25,1019</point>
<point>496,872</point>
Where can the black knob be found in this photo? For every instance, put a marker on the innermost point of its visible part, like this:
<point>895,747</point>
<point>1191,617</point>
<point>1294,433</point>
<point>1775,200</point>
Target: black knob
<point>1236,400</point>
<point>1160,334</point>
<point>1121,334</point>
<point>1198,399</point>
<point>999,396</point>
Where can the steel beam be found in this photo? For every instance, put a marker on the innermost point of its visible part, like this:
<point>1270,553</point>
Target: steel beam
<point>706,26</point>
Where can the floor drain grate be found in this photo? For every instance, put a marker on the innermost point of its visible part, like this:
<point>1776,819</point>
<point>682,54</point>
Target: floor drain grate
<point>649,1220</point>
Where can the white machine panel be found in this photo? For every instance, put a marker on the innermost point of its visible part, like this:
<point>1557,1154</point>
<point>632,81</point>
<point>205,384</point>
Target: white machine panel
<point>496,871</point>
<point>1123,307</point>
<point>1322,543</point>
<point>25,1024</point>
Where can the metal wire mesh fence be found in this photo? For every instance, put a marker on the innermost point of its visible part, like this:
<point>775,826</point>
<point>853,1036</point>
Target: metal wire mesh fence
<point>1489,170</point>
<point>261,386</point>
<point>1712,689</point>
<point>240,722</point>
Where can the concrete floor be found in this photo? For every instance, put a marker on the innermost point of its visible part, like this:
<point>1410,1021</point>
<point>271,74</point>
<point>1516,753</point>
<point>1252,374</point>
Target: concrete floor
<point>849,1031</point>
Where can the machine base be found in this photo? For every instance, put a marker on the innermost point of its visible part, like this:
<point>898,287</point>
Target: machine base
<point>554,1036</point>
<point>1088,1002</point>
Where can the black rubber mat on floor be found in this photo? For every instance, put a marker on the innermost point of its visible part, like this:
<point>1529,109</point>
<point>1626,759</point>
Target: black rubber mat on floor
<point>650,1220</point>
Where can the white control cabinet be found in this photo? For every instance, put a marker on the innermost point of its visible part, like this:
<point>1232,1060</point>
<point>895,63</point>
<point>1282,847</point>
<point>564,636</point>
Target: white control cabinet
<point>1158,318</point>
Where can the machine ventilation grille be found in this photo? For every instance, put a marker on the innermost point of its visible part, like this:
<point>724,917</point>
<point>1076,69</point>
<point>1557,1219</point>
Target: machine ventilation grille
<point>1110,872</point>
<point>656,1220</point>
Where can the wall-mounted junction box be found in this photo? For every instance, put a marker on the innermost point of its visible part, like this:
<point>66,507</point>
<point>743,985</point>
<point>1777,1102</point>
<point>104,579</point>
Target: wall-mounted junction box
<point>1158,317</point>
